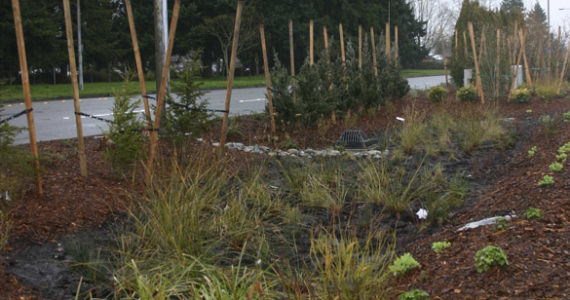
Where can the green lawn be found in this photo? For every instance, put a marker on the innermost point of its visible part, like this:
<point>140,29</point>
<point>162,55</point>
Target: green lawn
<point>64,91</point>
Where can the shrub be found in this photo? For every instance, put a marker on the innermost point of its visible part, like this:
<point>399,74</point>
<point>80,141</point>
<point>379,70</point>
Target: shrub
<point>438,246</point>
<point>467,94</point>
<point>546,92</point>
<point>437,94</point>
<point>125,132</point>
<point>403,264</point>
<point>549,124</point>
<point>533,213</point>
<point>488,257</point>
<point>187,116</point>
<point>414,294</point>
<point>546,180</point>
<point>556,167</point>
<point>564,148</point>
<point>532,151</point>
<point>566,116</point>
<point>562,157</point>
<point>521,95</point>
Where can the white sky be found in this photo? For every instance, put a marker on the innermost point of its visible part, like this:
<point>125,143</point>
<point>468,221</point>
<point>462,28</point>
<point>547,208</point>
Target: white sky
<point>557,17</point>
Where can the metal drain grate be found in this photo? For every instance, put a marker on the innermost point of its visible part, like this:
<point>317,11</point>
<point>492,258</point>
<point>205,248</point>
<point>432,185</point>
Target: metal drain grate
<point>354,139</point>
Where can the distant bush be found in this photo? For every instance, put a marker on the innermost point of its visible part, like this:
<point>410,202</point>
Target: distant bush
<point>521,95</point>
<point>546,91</point>
<point>437,94</point>
<point>467,94</point>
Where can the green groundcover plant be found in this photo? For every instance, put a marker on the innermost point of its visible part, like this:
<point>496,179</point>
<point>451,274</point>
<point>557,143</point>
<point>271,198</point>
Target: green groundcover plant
<point>414,294</point>
<point>533,213</point>
<point>403,264</point>
<point>546,180</point>
<point>438,246</point>
<point>488,257</point>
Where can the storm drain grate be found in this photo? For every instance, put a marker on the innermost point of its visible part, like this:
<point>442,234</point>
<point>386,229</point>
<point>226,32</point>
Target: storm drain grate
<point>354,139</point>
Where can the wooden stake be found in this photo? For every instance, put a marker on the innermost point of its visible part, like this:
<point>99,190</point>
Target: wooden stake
<point>473,45</point>
<point>518,62</point>
<point>231,77</point>
<point>456,42</point>
<point>326,41</point>
<point>527,71</point>
<point>26,90</point>
<point>498,65</point>
<point>342,53</point>
<point>360,47</point>
<point>74,84</point>
<point>558,46</point>
<point>465,45</point>
<point>311,45</point>
<point>162,92</point>
<point>388,39</point>
<point>292,58</point>
<point>563,69</point>
<point>373,51</point>
<point>138,60</point>
<point>268,76</point>
<point>510,50</point>
<point>396,45</point>
<point>444,55</point>
<point>482,41</point>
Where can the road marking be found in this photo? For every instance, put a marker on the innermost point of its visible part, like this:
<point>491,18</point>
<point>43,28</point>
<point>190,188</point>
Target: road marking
<point>251,100</point>
<point>66,118</point>
<point>45,102</point>
<point>110,114</point>
<point>63,101</point>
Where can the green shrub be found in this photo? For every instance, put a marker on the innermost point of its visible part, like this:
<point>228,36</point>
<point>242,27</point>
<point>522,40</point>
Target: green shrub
<point>467,94</point>
<point>564,148</point>
<point>521,95</point>
<point>562,157</point>
<point>546,92</point>
<point>488,257</point>
<point>533,213</point>
<point>546,180</point>
<point>438,246</point>
<point>403,264</point>
<point>437,94</point>
<point>187,116</point>
<point>556,167</point>
<point>126,134</point>
<point>566,116</point>
<point>502,224</point>
<point>549,123</point>
<point>414,294</point>
<point>532,151</point>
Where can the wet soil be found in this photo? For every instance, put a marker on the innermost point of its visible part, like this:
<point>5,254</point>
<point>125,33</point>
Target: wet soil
<point>81,211</point>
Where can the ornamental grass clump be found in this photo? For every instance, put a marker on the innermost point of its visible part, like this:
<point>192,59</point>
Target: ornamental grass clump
<point>488,257</point>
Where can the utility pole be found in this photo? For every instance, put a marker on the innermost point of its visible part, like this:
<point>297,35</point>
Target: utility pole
<point>79,45</point>
<point>160,38</point>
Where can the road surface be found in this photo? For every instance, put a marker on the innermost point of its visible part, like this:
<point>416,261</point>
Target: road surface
<point>55,119</point>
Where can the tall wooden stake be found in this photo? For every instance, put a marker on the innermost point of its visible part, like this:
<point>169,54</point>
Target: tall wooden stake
<point>388,39</point>
<point>465,45</point>
<point>162,92</point>
<point>444,54</point>
<point>456,42</point>
<point>360,47</point>
<point>518,62</point>
<point>396,45</point>
<point>267,76</point>
<point>374,61</point>
<point>311,43</point>
<point>73,68</point>
<point>342,53</point>
<point>26,89</point>
<point>138,60</point>
<point>498,74</point>
<point>230,77</point>
<point>474,47</point>
<point>527,71</point>
<point>292,57</point>
<point>558,46</point>
<point>563,69</point>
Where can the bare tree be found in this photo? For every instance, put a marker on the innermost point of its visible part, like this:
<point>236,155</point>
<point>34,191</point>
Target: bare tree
<point>222,28</point>
<point>437,14</point>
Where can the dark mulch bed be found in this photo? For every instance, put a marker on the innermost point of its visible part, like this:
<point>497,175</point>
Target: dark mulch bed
<point>537,250</point>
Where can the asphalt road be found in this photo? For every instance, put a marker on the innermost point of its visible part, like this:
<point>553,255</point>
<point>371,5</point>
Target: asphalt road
<point>55,119</point>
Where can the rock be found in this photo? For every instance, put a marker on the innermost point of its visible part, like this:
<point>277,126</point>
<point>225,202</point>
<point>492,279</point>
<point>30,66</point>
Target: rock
<point>487,221</point>
<point>293,151</point>
<point>248,149</point>
<point>333,153</point>
<point>374,152</point>
<point>216,144</point>
<point>271,153</point>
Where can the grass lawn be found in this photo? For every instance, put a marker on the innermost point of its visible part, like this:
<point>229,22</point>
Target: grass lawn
<point>59,91</point>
